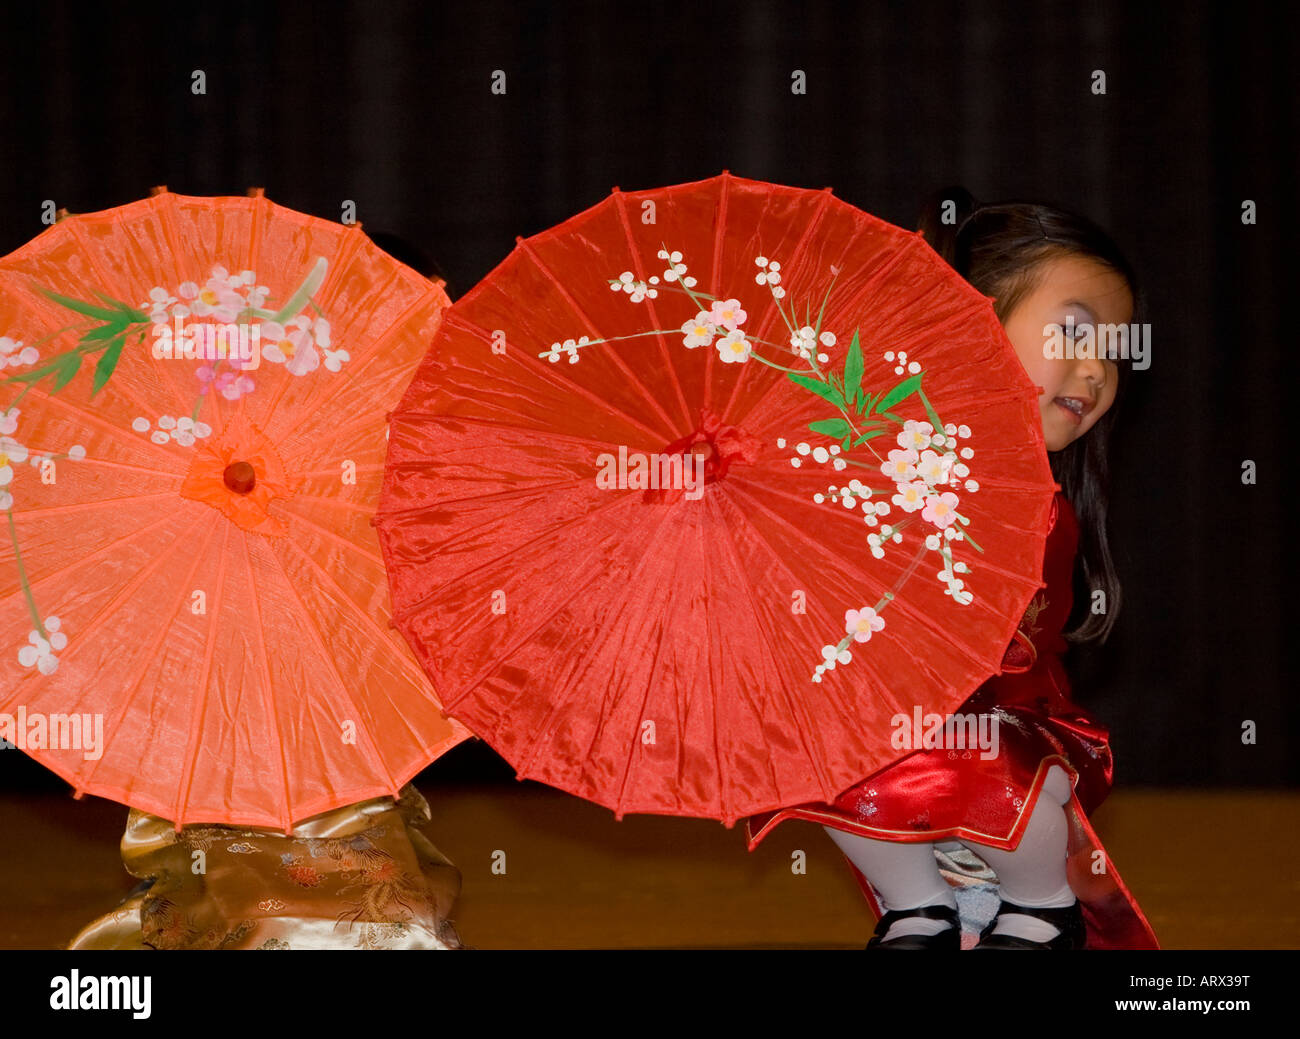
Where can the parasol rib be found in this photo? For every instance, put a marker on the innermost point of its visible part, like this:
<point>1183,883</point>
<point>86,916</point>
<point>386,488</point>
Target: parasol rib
<point>268,691</point>
<point>310,625</point>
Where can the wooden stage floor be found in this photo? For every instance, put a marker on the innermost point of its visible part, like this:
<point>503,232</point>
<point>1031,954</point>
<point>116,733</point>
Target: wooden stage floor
<point>1212,870</point>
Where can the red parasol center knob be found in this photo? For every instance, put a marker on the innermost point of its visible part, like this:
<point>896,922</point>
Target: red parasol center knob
<point>240,477</point>
<point>703,449</point>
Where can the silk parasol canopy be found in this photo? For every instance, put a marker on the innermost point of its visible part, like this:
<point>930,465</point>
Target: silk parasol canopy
<point>700,490</point>
<point>194,617</point>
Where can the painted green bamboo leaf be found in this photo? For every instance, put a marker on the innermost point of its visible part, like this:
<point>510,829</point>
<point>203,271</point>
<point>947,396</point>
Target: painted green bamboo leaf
<point>107,362</point>
<point>933,415</point>
<point>853,368</point>
<point>109,331</point>
<point>31,375</point>
<point>900,392</point>
<point>816,386</point>
<point>869,436</point>
<point>132,315</point>
<point>68,365</point>
<point>831,427</point>
<point>89,309</point>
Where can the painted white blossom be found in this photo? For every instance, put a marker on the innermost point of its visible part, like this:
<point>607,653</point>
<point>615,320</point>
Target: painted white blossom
<point>911,496</point>
<point>13,354</point>
<point>734,347</point>
<point>185,431</point>
<point>900,464</point>
<point>10,452</point>
<point>699,331</point>
<point>39,652</point>
<point>931,468</point>
<point>915,435</point>
<point>833,654</point>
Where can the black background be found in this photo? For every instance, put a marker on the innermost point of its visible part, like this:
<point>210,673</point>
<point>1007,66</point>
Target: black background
<point>389,105</point>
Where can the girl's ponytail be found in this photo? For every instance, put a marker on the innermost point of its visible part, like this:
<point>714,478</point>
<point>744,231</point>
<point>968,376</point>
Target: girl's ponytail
<point>943,218</point>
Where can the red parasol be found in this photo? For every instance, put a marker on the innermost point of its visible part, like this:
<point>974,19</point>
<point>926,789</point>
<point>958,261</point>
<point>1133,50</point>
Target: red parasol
<point>688,546</point>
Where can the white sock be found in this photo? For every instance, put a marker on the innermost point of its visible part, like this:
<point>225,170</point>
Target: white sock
<point>905,876</point>
<point>1034,874</point>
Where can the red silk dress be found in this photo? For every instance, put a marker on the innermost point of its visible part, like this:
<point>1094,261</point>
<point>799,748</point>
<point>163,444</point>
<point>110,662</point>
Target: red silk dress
<point>941,795</point>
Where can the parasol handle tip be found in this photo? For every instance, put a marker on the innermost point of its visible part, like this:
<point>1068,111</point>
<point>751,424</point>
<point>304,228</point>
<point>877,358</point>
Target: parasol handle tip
<point>158,189</point>
<point>257,192</point>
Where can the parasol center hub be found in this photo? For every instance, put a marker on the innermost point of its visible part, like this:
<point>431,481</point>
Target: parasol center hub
<point>703,449</point>
<point>240,477</point>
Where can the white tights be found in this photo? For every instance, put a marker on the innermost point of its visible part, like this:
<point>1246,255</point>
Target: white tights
<point>907,875</point>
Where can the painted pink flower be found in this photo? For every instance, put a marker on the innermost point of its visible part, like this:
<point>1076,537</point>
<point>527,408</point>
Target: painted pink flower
<point>727,314</point>
<point>231,385</point>
<point>940,509</point>
<point>861,623</point>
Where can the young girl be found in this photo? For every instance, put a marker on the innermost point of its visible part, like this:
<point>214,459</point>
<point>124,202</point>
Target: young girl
<point>940,823</point>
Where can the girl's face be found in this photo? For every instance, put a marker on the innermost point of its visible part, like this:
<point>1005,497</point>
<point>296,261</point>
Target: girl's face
<point>1094,295</point>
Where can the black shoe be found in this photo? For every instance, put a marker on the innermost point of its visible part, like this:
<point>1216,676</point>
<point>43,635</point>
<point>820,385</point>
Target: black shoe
<point>1068,920</point>
<point>949,938</point>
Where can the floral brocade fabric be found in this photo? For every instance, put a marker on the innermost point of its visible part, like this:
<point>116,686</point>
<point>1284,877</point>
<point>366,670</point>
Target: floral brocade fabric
<point>360,877</point>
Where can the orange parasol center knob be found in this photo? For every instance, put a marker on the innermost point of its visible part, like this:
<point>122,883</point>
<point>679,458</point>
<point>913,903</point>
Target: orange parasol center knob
<point>240,477</point>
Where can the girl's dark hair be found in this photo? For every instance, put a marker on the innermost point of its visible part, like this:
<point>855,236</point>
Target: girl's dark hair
<point>407,252</point>
<point>1000,249</point>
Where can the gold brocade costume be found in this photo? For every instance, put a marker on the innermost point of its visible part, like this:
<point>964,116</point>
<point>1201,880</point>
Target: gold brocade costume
<point>359,877</point>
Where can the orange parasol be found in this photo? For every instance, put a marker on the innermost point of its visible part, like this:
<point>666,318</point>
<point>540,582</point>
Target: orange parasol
<point>194,616</point>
